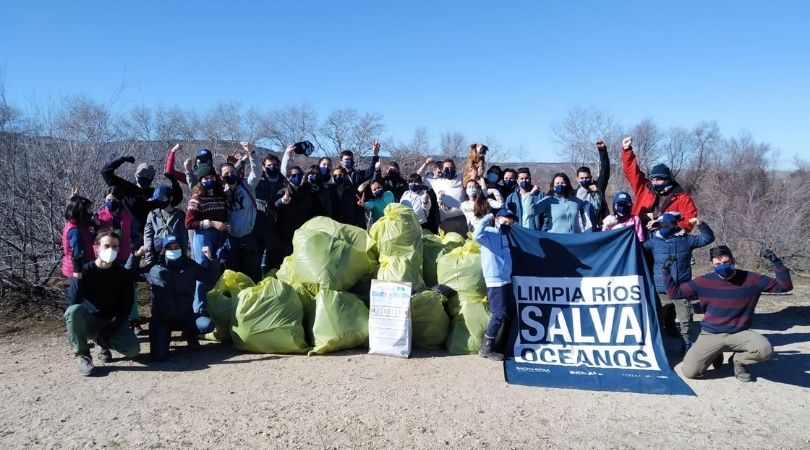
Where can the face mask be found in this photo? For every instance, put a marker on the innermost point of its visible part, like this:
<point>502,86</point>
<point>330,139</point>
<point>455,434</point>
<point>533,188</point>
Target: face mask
<point>622,209</point>
<point>324,170</point>
<point>203,160</point>
<point>312,179</point>
<point>492,178</point>
<point>393,173</point>
<point>108,255</point>
<point>666,232</point>
<point>338,179</point>
<point>378,193</point>
<point>585,182</point>
<point>660,188</point>
<point>504,227</point>
<point>559,188</point>
<point>173,255</point>
<point>725,270</point>
<point>508,183</point>
<point>162,204</point>
<point>271,171</point>
<point>449,173</point>
<point>231,178</point>
<point>413,187</point>
<point>143,181</point>
<point>472,192</point>
<point>526,185</point>
<point>207,184</point>
<point>113,205</point>
<point>295,179</point>
<point>348,163</point>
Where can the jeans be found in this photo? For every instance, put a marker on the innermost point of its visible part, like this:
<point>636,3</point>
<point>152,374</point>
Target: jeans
<point>245,256</point>
<point>213,239</point>
<point>81,326</point>
<point>160,334</point>
<point>500,298</point>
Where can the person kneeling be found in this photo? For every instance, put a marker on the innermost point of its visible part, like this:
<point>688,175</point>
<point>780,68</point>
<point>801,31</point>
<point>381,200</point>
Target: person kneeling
<point>496,264</point>
<point>101,298</point>
<point>729,297</point>
<point>172,282</point>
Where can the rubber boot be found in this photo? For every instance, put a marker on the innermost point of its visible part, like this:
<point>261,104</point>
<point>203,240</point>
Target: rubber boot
<point>488,349</point>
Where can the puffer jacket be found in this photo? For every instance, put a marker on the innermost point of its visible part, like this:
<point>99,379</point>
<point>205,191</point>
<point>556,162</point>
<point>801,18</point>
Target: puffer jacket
<point>681,245</point>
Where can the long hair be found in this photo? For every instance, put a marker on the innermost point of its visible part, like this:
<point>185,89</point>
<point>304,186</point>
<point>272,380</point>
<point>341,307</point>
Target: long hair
<point>568,189</point>
<point>77,208</point>
<point>199,190</point>
<point>480,203</point>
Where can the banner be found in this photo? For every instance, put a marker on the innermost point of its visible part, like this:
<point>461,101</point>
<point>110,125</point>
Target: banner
<point>584,315</point>
<point>389,319</point>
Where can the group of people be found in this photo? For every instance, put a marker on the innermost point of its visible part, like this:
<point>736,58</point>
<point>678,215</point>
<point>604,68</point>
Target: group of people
<point>243,214</point>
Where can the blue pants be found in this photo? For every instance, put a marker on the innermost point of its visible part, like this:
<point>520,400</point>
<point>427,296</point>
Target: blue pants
<point>160,334</point>
<point>213,239</point>
<point>500,300</point>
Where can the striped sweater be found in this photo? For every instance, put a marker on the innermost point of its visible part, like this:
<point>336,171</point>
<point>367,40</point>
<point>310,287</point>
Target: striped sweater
<point>205,208</point>
<point>729,304</point>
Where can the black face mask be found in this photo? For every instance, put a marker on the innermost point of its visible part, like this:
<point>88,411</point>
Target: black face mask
<point>339,179</point>
<point>231,178</point>
<point>143,182</point>
<point>161,204</point>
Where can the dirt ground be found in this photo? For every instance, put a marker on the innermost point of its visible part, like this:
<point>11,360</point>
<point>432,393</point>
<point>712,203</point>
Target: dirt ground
<point>219,398</point>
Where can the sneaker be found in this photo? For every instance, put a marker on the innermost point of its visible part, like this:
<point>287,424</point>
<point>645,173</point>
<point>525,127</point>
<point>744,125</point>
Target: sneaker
<point>86,365</point>
<point>740,371</point>
<point>718,361</point>
<point>105,355</point>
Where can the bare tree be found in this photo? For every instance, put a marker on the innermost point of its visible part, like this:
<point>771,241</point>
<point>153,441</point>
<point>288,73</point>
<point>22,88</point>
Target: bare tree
<point>347,129</point>
<point>579,130</point>
<point>453,144</point>
<point>291,124</point>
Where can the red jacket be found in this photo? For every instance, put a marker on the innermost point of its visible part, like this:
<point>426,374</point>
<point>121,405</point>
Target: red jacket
<point>645,197</point>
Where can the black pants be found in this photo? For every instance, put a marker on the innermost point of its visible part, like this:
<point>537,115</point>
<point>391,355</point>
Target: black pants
<point>160,334</point>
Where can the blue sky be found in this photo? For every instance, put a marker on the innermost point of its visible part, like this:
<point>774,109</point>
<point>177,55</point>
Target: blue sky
<point>502,69</point>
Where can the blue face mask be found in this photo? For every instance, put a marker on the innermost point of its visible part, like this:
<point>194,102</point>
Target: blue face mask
<point>725,270</point>
<point>348,163</point>
<point>660,188</point>
<point>526,185</point>
<point>173,255</point>
<point>492,178</point>
<point>666,232</point>
<point>378,193</point>
<point>231,178</point>
<point>295,179</point>
<point>472,192</point>
<point>450,173</point>
<point>413,187</point>
<point>312,179</point>
<point>208,184</point>
<point>585,182</point>
<point>113,205</point>
<point>622,209</point>
<point>324,170</point>
<point>559,188</point>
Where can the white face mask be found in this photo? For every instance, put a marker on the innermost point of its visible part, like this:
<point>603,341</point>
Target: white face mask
<point>173,255</point>
<point>108,255</point>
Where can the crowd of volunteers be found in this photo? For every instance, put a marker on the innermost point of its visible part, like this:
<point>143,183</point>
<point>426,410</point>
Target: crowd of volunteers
<point>242,215</point>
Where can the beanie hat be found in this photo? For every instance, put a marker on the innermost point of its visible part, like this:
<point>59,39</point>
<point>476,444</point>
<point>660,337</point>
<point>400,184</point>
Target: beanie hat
<point>145,170</point>
<point>661,171</point>
<point>671,217</point>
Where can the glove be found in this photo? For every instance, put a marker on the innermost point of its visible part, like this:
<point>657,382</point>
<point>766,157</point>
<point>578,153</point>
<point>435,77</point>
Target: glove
<point>129,159</point>
<point>769,255</point>
<point>669,262</point>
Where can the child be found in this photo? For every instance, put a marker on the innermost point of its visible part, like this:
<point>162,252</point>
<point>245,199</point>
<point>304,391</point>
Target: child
<point>375,206</point>
<point>670,239</point>
<point>478,204</point>
<point>496,263</point>
<point>418,199</point>
<point>77,242</point>
<point>622,217</point>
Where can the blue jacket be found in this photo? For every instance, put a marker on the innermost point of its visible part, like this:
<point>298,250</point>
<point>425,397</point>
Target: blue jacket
<point>514,204</point>
<point>496,261</point>
<point>561,215</point>
<point>681,245</point>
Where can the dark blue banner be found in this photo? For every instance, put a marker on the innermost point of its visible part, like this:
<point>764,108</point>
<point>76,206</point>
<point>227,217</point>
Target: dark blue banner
<point>584,315</point>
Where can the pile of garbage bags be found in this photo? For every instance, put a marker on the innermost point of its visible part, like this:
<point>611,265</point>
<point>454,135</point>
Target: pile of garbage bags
<point>317,301</point>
